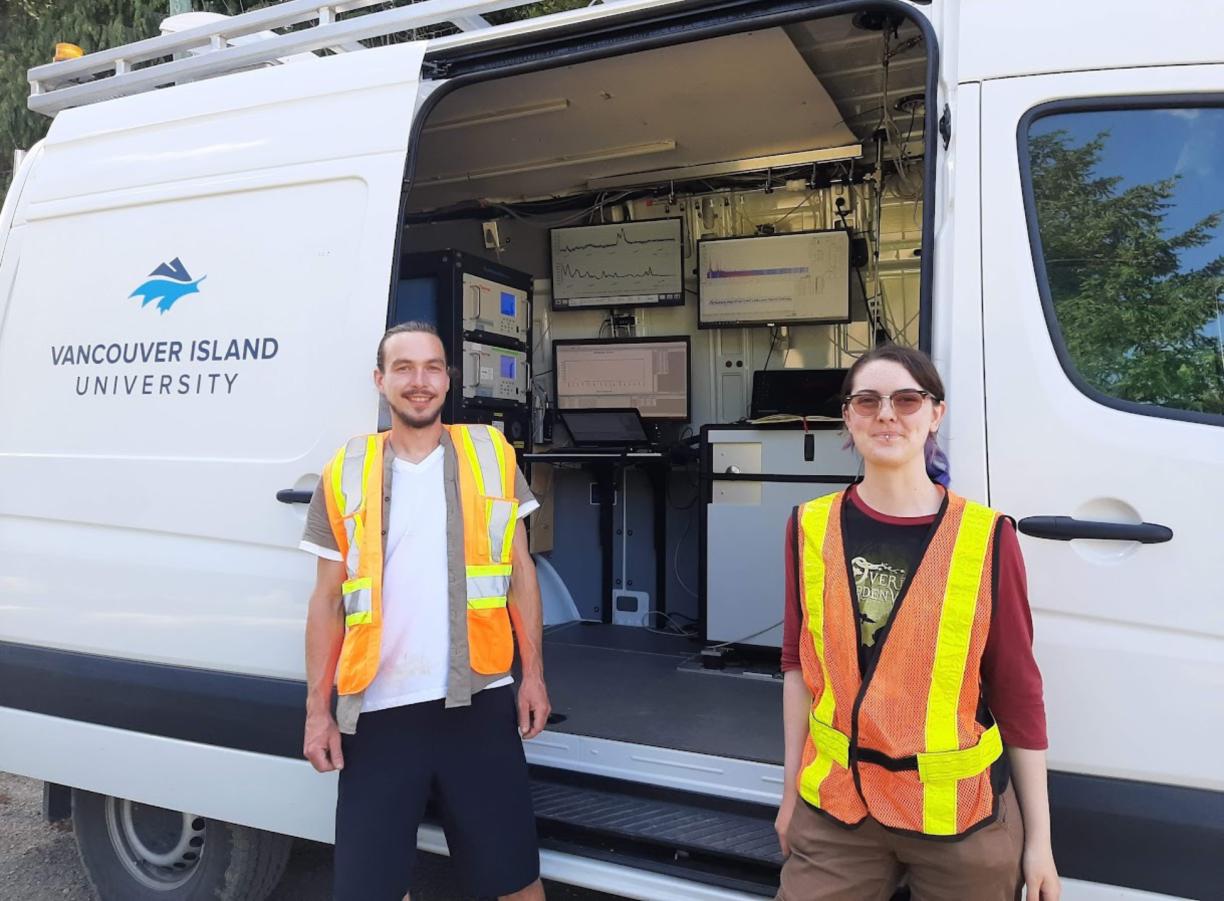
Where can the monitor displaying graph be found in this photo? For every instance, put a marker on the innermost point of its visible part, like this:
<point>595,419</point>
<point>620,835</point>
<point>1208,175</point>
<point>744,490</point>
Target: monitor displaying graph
<point>623,264</point>
<point>650,375</point>
<point>788,279</point>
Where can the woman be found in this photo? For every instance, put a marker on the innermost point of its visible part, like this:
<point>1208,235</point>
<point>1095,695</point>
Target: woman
<point>912,703</point>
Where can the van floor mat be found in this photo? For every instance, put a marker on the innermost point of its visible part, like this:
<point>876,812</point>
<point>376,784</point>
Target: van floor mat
<point>672,824</point>
<point>655,702</point>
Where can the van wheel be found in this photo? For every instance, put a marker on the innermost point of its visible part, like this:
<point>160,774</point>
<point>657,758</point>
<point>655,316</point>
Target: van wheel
<point>136,852</point>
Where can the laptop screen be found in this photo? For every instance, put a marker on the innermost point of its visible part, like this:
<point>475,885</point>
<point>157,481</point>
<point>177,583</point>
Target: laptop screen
<point>595,428</point>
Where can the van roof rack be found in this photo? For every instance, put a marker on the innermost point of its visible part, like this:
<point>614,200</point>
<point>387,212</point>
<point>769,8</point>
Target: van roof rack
<point>209,50</point>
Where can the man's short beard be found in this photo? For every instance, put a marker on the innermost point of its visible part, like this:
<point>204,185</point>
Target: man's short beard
<point>416,423</point>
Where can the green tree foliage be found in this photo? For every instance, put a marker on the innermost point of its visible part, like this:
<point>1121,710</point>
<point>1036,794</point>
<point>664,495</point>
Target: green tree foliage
<point>29,31</point>
<point>1137,323</point>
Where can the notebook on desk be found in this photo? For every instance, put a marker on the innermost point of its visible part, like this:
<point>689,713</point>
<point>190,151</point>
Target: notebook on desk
<point>605,430</point>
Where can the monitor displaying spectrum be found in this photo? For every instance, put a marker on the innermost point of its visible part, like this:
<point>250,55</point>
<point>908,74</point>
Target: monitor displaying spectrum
<point>651,375</point>
<point>786,279</point>
<point>622,264</point>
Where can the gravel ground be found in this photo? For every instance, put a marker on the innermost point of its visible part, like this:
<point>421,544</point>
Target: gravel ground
<point>38,860</point>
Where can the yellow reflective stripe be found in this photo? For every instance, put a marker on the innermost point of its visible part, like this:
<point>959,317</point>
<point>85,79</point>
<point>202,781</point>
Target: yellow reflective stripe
<point>834,744</point>
<point>948,766</point>
<point>357,619</point>
<point>486,603</point>
<point>357,584</point>
<point>815,773</point>
<point>469,451</point>
<point>951,654</point>
<point>475,570</point>
<point>337,484</point>
<point>815,524</point>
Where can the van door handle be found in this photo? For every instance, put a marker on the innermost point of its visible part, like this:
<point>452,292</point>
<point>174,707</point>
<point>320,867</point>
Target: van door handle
<point>1066,528</point>
<point>294,496</point>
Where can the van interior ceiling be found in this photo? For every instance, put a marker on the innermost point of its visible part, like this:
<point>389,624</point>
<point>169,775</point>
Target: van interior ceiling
<point>808,127</point>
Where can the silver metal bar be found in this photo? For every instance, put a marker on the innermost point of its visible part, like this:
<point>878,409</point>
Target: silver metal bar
<point>470,23</point>
<point>231,58</point>
<point>281,15</point>
<point>604,10</point>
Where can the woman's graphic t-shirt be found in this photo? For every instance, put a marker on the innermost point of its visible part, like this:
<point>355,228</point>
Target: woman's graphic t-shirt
<point>882,555</point>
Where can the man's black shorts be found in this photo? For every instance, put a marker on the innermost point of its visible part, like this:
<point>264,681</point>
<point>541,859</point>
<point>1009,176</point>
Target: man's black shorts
<point>470,760</point>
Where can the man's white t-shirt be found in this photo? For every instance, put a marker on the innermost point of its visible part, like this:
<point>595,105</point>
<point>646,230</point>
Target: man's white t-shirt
<point>416,623</point>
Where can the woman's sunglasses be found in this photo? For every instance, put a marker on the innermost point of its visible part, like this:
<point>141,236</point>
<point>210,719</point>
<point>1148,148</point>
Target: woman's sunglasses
<point>903,402</point>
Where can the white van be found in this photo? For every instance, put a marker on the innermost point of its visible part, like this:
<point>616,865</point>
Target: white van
<point>198,260</point>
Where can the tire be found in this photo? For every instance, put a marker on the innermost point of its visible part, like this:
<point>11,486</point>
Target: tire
<point>136,852</point>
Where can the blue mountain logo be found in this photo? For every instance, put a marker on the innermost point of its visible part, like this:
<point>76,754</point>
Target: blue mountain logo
<point>167,284</point>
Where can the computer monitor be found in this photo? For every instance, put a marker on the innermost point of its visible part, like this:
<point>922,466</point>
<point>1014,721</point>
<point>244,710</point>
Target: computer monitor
<point>622,264</point>
<point>784,279</point>
<point>649,374</point>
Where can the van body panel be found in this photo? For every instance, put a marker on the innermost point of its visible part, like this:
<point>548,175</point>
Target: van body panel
<point>1130,637</point>
<point>957,314</point>
<point>1052,36</point>
<point>258,790</point>
<point>344,107</point>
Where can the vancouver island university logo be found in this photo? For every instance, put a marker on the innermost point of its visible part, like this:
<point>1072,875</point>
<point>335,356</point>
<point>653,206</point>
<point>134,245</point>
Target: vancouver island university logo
<point>167,284</point>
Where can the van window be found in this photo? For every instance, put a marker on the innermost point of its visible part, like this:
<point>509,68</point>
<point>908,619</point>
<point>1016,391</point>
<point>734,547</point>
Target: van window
<point>1124,210</point>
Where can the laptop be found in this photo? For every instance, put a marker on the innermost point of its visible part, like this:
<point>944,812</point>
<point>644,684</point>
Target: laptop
<point>798,392</point>
<point>605,429</point>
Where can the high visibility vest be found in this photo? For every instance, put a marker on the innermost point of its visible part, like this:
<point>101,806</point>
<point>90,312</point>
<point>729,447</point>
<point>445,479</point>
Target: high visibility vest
<point>901,742</point>
<point>353,486</point>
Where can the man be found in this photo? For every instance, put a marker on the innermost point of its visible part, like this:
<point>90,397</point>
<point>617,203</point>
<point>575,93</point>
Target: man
<point>419,534</point>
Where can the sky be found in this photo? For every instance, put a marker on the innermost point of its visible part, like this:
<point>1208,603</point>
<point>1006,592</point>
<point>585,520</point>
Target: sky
<point>1148,145</point>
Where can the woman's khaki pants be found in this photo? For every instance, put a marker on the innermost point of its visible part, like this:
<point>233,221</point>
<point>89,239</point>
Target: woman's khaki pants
<point>831,863</point>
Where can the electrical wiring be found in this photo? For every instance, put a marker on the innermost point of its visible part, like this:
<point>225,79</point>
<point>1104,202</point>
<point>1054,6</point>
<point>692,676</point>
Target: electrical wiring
<point>688,630</point>
<point>727,644</point>
<point>676,555</point>
<point>545,221</point>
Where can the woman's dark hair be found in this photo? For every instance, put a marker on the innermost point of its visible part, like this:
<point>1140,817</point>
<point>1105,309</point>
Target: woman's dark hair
<point>919,365</point>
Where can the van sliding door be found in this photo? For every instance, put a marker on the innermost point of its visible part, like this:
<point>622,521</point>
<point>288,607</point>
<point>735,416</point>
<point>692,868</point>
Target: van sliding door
<point>1102,250</point>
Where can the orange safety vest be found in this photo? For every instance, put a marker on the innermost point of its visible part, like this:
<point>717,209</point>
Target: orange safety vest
<point>903,742</point>
<point>353,486</point>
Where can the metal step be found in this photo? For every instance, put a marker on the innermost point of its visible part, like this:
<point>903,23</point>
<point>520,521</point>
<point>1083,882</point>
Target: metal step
<point>680,822</point>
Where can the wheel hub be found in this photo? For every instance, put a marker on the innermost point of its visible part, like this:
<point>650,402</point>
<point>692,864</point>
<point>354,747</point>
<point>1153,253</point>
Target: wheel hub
<point>159,848</point>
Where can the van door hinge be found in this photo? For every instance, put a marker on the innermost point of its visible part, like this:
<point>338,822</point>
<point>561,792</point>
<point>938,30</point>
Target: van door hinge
<point>435,70</point>
<point>945,125</point>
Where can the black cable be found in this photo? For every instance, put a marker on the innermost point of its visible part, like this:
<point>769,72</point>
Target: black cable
<point>773,340</point>
<point>878,330</point>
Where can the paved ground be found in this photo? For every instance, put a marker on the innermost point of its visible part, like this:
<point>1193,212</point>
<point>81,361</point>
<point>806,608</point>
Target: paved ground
<point>38,861</point>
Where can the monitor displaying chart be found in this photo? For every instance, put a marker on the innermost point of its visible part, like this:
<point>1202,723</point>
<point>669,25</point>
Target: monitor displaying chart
<point>787,279</point>
<point>623,264</point>
<point>650,375</point>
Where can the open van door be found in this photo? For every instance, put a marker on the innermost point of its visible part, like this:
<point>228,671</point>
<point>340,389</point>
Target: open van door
<point>1102,257</point>
<point>199,277</point>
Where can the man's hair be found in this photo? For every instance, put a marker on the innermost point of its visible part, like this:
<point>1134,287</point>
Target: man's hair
<point>402,329</point>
